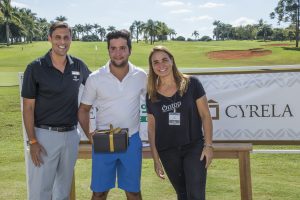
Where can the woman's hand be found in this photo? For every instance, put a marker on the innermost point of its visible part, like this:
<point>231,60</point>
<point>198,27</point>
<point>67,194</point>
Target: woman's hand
<point>208,154</point>
<point>159,170</point>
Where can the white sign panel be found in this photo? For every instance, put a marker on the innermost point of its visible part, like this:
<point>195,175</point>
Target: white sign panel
<point>261,106</point>
<point>247,106</point>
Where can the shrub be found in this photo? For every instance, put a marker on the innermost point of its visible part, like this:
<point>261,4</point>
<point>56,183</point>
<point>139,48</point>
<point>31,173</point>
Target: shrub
<point>205,38</point>
<point>90,38</point>
<point>180,38</point>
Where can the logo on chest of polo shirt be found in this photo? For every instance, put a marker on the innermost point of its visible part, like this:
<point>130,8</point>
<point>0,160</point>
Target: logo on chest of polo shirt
<point>75,75</point>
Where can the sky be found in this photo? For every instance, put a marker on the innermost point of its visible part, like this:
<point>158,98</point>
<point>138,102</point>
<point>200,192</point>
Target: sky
<point>183,16</point>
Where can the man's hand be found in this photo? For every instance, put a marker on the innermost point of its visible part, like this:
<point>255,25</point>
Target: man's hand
<point>90,137</point>
<point>36,151</point>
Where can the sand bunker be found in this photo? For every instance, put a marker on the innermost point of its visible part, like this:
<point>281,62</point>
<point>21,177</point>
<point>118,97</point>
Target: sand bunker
<point>238,54</point>
<point>277,45</point>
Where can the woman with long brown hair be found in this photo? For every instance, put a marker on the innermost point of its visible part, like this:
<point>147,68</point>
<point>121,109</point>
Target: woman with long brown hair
<point>179,126</point>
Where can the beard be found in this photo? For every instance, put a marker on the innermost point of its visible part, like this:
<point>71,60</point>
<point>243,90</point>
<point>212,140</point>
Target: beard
<point>119,65</point>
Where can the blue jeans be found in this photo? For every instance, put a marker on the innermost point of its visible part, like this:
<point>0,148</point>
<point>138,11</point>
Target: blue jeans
<point>186,172</point>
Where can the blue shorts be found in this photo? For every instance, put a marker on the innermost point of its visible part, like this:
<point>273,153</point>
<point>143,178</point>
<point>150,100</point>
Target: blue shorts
<point>126,165</point>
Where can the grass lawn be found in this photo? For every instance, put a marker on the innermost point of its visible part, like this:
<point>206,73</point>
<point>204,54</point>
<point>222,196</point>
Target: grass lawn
<point>274,176</point>
<point>187,54</point>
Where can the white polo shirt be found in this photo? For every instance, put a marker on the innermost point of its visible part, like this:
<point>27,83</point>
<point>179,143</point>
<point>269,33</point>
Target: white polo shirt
<point>117,102</point>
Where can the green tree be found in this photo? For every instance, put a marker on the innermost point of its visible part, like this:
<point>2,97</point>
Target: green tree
<point>111,28</point>
<point>42,26</point>
<point>278,34</point>
<point>102,32</point>
<point>150,30</point>
<point>78,31</point>
<point>264,30</point>
<point>28,18</point>
<point>172,33</point>
<point>10,16</point>
<point>288,11</point>
<point>61,18</point>
<point>195,34</point>
<point>217,29</point>
<point>87,28</point>
<point>137,27</point>
<point>162,30</point>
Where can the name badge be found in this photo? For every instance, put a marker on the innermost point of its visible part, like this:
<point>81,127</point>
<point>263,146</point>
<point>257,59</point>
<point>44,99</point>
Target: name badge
<point>174,119</point>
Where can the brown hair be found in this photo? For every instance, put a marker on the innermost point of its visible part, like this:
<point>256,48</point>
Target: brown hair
<point>59,24</point>
<point>119,34</point>
<point>153,79</point>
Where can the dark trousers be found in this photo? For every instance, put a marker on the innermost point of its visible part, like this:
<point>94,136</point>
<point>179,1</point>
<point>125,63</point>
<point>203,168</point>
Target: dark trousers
<point>185,170</point>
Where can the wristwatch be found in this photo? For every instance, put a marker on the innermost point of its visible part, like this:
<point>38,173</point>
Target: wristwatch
<point>33,141</point>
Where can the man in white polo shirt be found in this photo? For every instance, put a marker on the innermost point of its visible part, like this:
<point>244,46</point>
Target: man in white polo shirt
<point>115,89</point>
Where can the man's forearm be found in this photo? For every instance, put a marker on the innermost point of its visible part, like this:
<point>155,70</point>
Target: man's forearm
<point>84,120</point>
<point>28,118</point>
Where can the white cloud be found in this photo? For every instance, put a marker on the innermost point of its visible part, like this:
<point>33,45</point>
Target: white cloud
<point>180,11</point>
<point>172,3</point>
<point>242,21</point>
<point>211,5</point>
<point>199,18</point>
<point>204,28</point>
<point>19,5</point>
<point>74,5</point>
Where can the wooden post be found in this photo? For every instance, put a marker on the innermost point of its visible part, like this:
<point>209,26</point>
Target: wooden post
<point>245,175</point>
<point>73,192</point>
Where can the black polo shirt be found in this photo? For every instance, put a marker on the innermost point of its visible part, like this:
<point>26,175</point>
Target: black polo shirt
<point>190,128</point>
<point>55,93</point>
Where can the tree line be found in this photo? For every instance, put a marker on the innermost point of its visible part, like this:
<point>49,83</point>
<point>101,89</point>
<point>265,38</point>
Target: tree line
<point>23,25</point>
<point>259,31</point>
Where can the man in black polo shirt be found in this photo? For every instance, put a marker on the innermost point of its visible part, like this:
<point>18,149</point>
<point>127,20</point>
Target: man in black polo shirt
<point>50,103</point>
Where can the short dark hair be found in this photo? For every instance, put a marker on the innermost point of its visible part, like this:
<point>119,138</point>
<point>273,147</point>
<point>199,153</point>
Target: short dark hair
<point>59,24</point>
<point>119,34</point>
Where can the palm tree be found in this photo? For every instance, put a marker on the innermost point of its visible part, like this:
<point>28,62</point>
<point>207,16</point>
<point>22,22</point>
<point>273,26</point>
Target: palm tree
<point>172,33</point>
<point>61,18</point>
<point>28,20</point>
<point>95,28</point>
<point>10,16</point>
<point>102,32</point>
<point>79,29</point>
<point>111,28</point>
<point>195,34</point>
<point>87,28</point>
<point>150,30</point>
<point>137,27</point>
<point>217,30</point>
<point>162,30</point>
<point>132,30</point>
<point>42,27</point>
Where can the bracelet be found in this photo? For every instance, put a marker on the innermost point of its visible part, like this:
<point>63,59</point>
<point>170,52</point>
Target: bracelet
<point>33,141</point>
<point>208,145</point>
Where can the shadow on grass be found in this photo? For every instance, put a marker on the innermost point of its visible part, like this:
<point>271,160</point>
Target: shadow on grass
<point>4,46</point>
<point>291,48</point>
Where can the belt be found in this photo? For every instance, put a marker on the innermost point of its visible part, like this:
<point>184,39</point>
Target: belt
<point>56,128</point>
